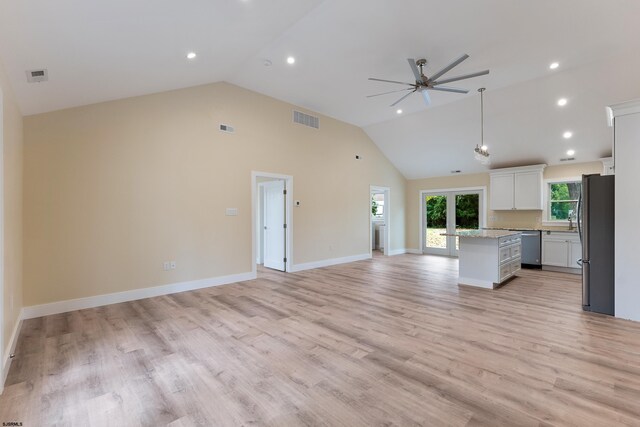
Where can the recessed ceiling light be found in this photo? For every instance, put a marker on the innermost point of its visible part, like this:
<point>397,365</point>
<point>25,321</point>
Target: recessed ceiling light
<point>571,152</point>
<point>562,102</point>
<point>399,111</point>
<point>191,55</point>
<point>554,65</point>
<point>567,134</point>
<point>291,60</point>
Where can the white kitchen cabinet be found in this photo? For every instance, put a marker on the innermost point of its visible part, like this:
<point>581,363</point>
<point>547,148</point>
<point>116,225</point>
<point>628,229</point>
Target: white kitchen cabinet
<point>561,250</point>
<point>555,252</point>
<point>516,188</point>
<point>528,190</point>
<point>575,254</point>
<point>608,167</point>
<point>488,258</point>
<point>501,190</point>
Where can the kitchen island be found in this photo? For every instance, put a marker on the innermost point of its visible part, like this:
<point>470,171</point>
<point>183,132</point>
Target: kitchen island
<point>487,258</point>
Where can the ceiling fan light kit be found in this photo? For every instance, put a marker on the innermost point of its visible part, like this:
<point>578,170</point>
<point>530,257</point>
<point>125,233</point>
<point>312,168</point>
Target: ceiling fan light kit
<point>423,83</point>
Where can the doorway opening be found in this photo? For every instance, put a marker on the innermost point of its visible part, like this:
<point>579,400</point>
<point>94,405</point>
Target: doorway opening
<point>271,206</point>
<point>379,220</point>
<point>448,211</point>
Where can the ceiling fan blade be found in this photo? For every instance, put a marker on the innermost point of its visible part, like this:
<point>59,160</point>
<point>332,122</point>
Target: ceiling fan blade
<point>403,97</point>
<point>386,93</point>
<point>392,81</point>
<point>414,68</point>
<point>448,67</point>
<point>449,89</point>
<point>466,76</point>
<point>426,97</point>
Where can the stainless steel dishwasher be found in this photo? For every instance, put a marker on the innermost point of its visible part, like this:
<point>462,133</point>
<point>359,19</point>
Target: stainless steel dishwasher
<point>531,249</point>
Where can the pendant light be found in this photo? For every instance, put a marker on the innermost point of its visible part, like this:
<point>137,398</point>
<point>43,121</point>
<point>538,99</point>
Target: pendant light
<point>482,151</point>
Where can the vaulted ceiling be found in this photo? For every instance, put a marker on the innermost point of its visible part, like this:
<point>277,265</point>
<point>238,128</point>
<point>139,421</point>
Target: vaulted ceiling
<point>103,50</point>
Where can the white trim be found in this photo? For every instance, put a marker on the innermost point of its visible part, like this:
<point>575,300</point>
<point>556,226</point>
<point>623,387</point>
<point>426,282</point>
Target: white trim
<point>545,199</point>
<point>11,348</point>
<point>2,313</point>
<point>136,294</point>
<point>531,168</point>
<point>483,214</point>
<point>414,251</point>
<point>387,218</point>
<point>289,215</point>
<point>330,262</point>
<point>622,109</point>
<point>398,251</point>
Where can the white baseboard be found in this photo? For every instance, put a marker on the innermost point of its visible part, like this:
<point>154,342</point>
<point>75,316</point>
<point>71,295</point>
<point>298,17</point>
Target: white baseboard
<point>11,348</point>
<point>397,252</point>
<point>100,300</point>
<point>329,262</point>
<point>414,251</point>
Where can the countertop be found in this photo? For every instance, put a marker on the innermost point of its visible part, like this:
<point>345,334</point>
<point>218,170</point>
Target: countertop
<point>556,230</point>
<point>482,234</point>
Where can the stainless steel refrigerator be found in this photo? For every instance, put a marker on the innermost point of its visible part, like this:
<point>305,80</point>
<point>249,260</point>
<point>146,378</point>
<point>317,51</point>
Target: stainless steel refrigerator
<point>596,228</point>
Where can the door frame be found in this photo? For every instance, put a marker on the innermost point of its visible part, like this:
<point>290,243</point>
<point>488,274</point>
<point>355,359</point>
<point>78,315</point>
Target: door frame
<point>423,193</point>
<point>387,218</point>
<point>4,362</point>
<point>288,179</point>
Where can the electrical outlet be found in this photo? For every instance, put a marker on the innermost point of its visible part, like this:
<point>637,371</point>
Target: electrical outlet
<point>173,265</point>
<point>166,265</point>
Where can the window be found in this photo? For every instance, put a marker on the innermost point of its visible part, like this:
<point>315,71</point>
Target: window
<point>377,206</point>
<point>562,200</point>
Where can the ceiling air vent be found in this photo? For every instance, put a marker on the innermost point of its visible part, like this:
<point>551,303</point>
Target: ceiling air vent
<point>35,76</point>
<point>306,120</point>
<point>567,159</point>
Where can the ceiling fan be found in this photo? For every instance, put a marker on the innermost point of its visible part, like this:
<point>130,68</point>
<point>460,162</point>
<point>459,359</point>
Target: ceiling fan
<point>424,83</point>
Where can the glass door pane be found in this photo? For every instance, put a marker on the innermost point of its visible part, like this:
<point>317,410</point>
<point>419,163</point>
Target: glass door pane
<point>435,221</point>
<point>467,212</point>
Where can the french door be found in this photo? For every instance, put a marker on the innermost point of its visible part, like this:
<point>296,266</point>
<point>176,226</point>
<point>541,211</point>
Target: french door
<point>447,212</point>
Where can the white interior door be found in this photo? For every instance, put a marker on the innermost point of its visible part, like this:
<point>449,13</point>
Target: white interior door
<point>274,225</point>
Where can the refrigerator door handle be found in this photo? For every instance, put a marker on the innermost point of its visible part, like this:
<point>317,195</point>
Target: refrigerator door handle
<point>579,221</point>
<point>586,297</point>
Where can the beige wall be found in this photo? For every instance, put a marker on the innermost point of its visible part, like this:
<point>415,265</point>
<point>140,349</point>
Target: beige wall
<point>519,219</point>
<point>12,179</point>
<point>114,189</point>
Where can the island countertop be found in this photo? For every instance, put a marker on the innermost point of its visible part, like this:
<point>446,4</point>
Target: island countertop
<point>482,234</point>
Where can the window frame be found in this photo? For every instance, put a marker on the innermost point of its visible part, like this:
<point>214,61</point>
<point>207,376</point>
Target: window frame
<point>546,212</point>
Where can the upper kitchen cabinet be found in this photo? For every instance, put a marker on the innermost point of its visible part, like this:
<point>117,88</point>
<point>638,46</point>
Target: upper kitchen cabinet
<point>516,188</point>
<point>608,167</point>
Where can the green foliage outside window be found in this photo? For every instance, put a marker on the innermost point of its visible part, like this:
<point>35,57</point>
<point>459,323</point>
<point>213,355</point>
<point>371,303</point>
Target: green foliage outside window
<point>467,211</point>
<point>563,200</point>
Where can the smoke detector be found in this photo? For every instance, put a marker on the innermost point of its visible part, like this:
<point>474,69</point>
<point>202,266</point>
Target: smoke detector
<point>36,76</point>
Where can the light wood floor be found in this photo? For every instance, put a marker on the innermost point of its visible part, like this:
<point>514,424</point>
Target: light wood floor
<point>392,340</point>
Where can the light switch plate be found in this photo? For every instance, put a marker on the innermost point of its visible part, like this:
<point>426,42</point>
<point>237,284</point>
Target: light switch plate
<point>231,212</point>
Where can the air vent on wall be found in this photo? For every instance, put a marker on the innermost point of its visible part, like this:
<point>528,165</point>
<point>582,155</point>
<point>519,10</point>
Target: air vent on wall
<point>226,128</point>
<point>306,119</point>
<point>567,159</point>
<point>34,76</point>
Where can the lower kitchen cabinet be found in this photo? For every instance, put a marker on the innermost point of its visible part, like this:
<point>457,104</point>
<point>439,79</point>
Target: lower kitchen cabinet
<point>561,249</point>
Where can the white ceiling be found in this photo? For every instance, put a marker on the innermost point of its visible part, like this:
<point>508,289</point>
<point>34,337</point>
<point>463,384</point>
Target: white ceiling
<point>102,50</point>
